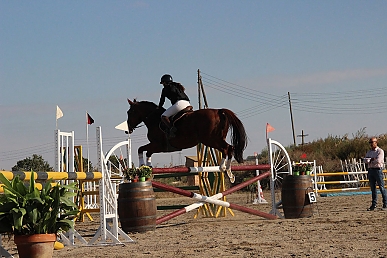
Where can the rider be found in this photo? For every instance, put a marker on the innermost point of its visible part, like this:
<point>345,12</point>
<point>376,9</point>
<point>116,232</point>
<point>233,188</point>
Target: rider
<point>174,91</point>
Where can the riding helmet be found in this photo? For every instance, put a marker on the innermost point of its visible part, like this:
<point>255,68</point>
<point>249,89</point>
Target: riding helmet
<point>166,78</point>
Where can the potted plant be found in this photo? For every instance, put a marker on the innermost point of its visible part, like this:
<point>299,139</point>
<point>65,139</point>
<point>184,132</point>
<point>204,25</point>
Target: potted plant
<point>136,203</point>
<point>301,169</point>
<point>36,216</point>
<point>145,173</point>
<point>133,174</point>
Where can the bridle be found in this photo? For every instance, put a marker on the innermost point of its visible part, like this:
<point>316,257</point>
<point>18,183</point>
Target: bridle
<point>134,128</point>
<point>131,129</point>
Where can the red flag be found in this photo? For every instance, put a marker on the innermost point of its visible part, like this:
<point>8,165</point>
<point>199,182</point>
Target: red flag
<point>89,119</point>
<point>269,128</point>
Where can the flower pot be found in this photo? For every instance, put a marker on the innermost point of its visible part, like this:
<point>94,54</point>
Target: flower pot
<point>35,246</point>
<point>142,179</point>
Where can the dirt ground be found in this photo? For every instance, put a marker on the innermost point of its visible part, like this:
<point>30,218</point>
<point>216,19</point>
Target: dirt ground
<point>340,227</point>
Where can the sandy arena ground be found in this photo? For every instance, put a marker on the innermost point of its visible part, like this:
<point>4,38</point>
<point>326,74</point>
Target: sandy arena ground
<point>340,227</point>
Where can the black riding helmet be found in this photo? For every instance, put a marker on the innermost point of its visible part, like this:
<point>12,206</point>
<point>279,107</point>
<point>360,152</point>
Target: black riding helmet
<point>166,78</point>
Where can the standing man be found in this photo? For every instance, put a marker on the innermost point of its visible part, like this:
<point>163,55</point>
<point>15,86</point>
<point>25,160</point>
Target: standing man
<point>375,160</point>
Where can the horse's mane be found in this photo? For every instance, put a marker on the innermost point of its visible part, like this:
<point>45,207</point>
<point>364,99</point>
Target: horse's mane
<point>146,103</point>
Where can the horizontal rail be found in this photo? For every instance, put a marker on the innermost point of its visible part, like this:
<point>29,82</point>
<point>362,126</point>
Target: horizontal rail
<point>26,176</point>
<point>344,173</point>
<point>208,169</point>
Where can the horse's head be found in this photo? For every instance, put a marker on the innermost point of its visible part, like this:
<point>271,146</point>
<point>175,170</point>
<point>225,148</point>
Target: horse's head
<point>134,118</point>
<point>138,112</point>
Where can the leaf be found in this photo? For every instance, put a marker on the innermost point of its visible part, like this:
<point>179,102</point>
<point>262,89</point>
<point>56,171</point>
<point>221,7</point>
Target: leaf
<point>26,210</point>
<point>18,218</point>
<point>32,182</point>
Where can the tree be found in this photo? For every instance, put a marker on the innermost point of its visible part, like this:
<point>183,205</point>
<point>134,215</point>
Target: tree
<point>34,163</point>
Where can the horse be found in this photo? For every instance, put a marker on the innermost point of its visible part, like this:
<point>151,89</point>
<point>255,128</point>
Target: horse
<point>206,126</point>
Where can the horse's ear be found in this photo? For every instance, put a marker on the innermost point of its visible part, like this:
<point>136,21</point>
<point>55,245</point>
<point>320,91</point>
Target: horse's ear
<point>130,102</point>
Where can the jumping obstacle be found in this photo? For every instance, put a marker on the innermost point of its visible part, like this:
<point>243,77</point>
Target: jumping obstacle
<point>184,171</point>
<point>208,169</point>
<point>108,231</point>
<point>212,199</point>
<point>355,177</point>
<point>24,175</point>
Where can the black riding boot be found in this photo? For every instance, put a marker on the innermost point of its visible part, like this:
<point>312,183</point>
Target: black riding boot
<point>170,129</point>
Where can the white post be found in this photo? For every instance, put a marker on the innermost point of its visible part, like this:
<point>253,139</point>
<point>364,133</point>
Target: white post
<point>108,203</point>
<point>64,143</point>
<point>129,152</point>
<point>260,198</point>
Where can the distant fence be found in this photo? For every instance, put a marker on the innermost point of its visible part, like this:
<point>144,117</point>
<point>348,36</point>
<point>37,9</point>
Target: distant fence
<point>354,177</point>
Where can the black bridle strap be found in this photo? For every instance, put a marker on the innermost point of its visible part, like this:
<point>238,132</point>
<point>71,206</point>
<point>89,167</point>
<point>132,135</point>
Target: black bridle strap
<point>137,127</point>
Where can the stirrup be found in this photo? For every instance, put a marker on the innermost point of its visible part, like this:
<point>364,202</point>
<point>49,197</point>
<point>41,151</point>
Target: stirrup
<point>172,131</point>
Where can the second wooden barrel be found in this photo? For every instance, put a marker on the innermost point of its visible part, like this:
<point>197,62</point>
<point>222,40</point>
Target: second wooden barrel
<point>295,199</point>
<point>137,207</point>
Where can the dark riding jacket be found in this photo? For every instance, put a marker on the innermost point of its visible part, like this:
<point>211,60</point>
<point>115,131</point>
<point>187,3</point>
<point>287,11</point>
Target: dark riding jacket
<point>174,92</point>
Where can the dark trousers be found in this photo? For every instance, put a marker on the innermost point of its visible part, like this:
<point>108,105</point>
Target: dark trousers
<point>375,176</point>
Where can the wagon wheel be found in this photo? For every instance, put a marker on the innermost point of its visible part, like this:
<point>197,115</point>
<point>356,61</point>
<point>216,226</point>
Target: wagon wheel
<point>281,166</point>
<point>118,159</point>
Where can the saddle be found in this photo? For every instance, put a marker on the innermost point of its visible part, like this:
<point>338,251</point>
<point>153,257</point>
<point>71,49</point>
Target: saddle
<point>173,119</point>
<point>176,117</point>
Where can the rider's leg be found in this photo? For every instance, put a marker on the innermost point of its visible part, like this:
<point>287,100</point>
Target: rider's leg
<point>166,121</point>
<point>174,109</point>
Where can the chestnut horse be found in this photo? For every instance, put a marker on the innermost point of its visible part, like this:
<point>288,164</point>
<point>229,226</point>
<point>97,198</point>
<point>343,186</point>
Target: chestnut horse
<point>206,126</point>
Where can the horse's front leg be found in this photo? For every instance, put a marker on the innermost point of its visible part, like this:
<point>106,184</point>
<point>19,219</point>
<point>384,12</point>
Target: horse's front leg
<point>150,148</point>
<point>140,159</point>
<point>149,159</point>
<point>141,154</point>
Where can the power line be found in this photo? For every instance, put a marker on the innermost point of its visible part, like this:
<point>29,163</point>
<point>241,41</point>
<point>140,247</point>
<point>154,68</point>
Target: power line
<point>332,103</point>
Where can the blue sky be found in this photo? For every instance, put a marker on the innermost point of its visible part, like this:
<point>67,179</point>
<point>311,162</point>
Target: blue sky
<point>92,55</point>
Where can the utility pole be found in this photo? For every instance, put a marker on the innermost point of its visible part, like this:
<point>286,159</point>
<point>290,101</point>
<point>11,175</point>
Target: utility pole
<point>302,137</point>
<point>291,119</point>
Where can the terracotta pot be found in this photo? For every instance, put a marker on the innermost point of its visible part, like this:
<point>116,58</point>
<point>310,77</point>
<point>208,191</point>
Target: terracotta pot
<point>35,246</point>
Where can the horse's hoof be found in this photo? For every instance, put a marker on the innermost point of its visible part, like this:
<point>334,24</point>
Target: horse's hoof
<point>229,173</point>
<point>232,179</point>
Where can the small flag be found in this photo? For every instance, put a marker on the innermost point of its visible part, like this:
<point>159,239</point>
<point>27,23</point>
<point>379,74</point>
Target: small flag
<point>89,119</point>
<point>59,112</point>
<point>269,128</point>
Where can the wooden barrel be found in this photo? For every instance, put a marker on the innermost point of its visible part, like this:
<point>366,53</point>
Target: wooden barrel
<point>137,207</point>
<point>295,199</point>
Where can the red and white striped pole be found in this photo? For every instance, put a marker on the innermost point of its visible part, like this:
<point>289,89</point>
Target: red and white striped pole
<point>212,199</point>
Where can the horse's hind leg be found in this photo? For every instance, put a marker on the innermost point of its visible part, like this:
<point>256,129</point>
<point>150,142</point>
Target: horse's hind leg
<point>225,165</point>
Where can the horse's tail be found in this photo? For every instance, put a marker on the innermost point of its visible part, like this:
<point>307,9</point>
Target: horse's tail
<point>238,134</point>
